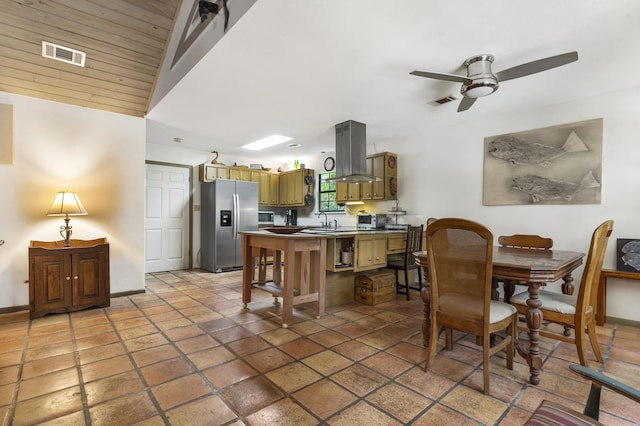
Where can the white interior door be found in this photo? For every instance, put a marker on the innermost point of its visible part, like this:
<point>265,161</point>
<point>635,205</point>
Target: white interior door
<point>166,225</point>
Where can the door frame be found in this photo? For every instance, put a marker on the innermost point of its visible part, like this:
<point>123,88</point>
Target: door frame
<point>190,232</point>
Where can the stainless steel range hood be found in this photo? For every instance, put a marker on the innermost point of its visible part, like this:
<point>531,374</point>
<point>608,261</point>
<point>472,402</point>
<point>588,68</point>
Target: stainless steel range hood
<point>351,153</point>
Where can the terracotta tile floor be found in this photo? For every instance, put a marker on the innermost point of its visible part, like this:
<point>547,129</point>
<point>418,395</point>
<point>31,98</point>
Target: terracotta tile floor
<point>185,352</point>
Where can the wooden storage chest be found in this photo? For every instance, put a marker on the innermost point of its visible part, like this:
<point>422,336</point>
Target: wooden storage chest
<point>374,288</point>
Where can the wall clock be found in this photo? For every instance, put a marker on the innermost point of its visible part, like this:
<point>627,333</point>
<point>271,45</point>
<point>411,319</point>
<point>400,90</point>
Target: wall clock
<point>329,163</point>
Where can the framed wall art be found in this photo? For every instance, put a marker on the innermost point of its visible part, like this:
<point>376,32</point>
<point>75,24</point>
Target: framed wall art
<point>552,165</point>
<point>628,255</point>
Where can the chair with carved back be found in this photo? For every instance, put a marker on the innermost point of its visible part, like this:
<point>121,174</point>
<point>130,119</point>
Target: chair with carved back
<point>577,312</point>
<point>460,256</point>
<point>406,261</point>
<point>519,241</point>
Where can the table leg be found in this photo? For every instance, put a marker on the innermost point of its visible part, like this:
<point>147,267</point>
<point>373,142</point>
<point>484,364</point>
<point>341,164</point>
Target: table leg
<point>288,284</point>
<point>247,270</point>
<point>425,295</point>
<point>567,288</point>
<point>277,267</point>
<point>321,257</point>
<point>567,285</point>
<point>534,321</point>
<point>262,265</point>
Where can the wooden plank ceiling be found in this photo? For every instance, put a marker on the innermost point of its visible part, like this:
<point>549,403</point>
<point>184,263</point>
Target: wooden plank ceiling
<point>124,41</point>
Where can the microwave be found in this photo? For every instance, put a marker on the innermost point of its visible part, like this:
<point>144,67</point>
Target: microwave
<point>371,221</point>
<point>266,218</point>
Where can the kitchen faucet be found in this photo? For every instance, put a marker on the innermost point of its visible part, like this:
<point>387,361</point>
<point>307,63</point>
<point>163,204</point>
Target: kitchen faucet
<point>326,219</point>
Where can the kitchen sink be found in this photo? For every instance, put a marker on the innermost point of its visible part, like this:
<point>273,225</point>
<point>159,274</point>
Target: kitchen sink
<point>321,230</point>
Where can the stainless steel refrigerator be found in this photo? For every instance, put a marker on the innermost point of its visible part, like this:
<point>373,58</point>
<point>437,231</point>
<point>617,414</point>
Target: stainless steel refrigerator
<point>228,206</point>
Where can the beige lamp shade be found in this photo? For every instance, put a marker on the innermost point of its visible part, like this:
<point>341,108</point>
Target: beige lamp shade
<point>66,204</point>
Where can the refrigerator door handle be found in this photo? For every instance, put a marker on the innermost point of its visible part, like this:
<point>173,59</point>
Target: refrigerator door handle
<point>236,215</point>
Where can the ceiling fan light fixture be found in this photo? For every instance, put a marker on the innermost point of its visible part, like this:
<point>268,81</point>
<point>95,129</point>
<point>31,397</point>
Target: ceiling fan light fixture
<point>479,88</point>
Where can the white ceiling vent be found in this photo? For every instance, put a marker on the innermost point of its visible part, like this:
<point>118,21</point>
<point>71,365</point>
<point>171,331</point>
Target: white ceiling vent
<point>443,101</point>
<point>64,54</point>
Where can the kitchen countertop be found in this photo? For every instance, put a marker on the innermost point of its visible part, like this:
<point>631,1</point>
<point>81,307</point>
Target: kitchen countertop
<point>349,232</point>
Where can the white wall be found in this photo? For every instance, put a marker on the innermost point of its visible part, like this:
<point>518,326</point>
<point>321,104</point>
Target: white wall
<point>96,154</point>
<point>101,156</point>
<point>441,175</point>
<point>178,155</point>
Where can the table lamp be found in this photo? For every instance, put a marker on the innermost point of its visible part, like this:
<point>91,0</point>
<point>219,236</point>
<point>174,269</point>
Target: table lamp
<point>66,204</point>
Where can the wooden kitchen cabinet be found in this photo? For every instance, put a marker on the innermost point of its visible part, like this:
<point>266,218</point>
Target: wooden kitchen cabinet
<point>383,165</point>
<point>293,187</point>
<point>65,279</point>
<point>264,186</point>
<point>347,192</point>
<point>370,252</point>
<point>396,243</point>
<point>240,173</point>
<point>211,172</point>
<point>274,189</point>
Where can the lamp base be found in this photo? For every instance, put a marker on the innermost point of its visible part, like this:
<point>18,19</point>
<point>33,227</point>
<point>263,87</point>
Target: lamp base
<point>65,232</point>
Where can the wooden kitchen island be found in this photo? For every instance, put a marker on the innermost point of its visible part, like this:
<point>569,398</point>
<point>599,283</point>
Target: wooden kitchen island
<point>303,280</point>
<point>313,268</point>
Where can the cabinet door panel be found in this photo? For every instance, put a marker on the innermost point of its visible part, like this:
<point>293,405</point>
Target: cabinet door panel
<point>378,192</point>
<point>89,278</point>
<point>380,251</point>
<point>274,189</point>
<point>54,274</point>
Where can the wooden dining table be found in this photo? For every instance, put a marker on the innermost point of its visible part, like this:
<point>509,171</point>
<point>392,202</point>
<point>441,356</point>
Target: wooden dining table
<point>536,268</point>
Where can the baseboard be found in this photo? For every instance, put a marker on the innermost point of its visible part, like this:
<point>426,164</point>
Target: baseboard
<point>621,321</point>
<point>126,293</point>
<point>11,309</point>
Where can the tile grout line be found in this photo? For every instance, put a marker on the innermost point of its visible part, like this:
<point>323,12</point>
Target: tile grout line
<point>14,397</point>
<point>184,356</point>
<point>78,364</point>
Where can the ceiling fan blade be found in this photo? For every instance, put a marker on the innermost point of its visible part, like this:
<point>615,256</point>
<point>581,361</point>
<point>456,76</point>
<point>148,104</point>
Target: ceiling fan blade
<point>466,103</point>
<point>536,66</point>
<point>440,76</point>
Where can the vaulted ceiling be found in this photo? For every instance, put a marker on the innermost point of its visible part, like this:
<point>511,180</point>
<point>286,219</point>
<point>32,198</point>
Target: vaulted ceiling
<point>124,42</point>
<point>299,67</point>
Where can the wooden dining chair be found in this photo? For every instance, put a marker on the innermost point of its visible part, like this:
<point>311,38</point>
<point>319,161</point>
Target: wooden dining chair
<point>406,261</point>
<point>460,254</point>
<point>520,241</point>
<point>577,312</point>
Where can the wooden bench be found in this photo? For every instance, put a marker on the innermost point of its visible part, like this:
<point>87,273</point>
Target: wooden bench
<point>602,290</point>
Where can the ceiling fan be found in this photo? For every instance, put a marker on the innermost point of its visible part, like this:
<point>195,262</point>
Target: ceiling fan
<point>480,81</point>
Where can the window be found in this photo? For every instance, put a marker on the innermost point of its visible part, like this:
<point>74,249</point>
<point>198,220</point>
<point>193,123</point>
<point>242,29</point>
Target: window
<point>327,193</point>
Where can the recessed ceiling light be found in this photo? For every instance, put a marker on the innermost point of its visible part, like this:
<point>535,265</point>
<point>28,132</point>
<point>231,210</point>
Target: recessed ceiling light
<point>266,142</point>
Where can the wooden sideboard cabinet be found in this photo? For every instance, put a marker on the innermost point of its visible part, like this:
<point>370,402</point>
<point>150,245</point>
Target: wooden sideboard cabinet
<point>65,279</point>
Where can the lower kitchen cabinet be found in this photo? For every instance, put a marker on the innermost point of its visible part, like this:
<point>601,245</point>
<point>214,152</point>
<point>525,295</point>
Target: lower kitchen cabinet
<point>65,279</point>
<point>370,252</point>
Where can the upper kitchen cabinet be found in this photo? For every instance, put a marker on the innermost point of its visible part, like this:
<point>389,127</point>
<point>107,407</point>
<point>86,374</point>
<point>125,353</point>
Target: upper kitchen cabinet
<point>239,173</point>
<point>261,177</point>
<point>347,192</point>
<point>274,189</point>
<point>210,172</point>
<point>294,186</point>
<point>383,165</point>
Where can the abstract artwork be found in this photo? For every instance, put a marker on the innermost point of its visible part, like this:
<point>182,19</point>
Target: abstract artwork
<point>628,255</point>
<point>553,165</point>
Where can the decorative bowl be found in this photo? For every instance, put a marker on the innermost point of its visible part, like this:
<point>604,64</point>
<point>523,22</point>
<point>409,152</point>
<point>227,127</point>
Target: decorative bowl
<point>284,229</point>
